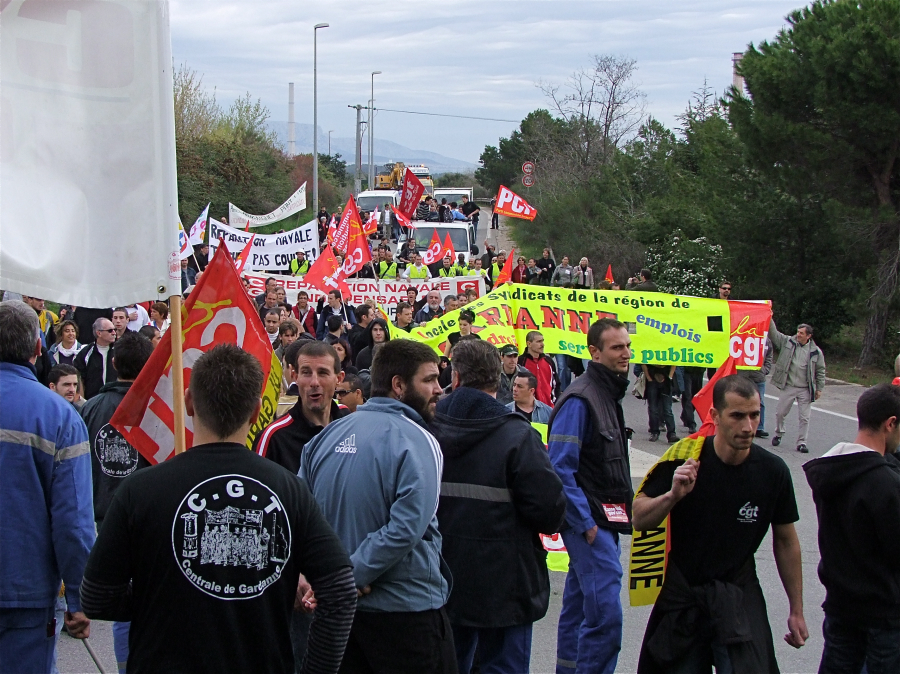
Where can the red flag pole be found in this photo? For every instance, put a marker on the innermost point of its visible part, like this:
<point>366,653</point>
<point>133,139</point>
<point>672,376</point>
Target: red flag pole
<point>177,371</point>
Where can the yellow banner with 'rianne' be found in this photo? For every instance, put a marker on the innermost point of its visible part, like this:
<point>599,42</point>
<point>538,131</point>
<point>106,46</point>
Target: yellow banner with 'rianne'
<point>665,329</point>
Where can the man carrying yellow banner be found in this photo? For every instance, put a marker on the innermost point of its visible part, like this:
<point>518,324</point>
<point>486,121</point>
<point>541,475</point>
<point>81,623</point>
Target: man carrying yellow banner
<point>718,496</point>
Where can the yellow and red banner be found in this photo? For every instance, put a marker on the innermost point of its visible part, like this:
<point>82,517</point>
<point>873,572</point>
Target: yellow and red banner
<point>665,329</point>
<point>217,311</point>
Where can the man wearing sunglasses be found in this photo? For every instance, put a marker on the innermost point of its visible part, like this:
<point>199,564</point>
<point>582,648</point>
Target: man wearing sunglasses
<point>95,361</point>
<point>349,392</point>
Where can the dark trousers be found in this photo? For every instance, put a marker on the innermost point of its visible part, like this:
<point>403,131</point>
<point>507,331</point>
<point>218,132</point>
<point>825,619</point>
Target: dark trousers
<point>500,649</point>
<point>850,646</point>
<point>659,406</point>
<point>397,643</point>
<point>693,382</point>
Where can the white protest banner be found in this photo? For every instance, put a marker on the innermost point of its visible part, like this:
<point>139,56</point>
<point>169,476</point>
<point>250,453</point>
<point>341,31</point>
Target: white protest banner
<point>270,251</point>
<point>295,203</point>
<point>89,214</point>
<point>385,293</point>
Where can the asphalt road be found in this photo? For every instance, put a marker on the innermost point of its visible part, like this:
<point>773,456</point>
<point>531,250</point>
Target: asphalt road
<point>833,421</point>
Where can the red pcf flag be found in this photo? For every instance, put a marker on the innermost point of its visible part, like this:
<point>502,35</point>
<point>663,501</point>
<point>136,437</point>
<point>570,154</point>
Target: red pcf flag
<point>609,274</point>
<point>218,311</point>
<point>348,220</point>
<point>325,273</point>
<point>703,399</point>
<point>506,272</point>
<point>413,189</point>
<point>435,250</point>
<point>512,205</point>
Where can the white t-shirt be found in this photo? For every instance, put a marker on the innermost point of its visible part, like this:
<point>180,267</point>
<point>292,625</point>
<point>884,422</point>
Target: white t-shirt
<point>142,319</point>
<point>104,350</point>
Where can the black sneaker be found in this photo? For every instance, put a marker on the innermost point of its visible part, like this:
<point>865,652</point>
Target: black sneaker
<point>761,434</point>
<point>776,441</point>
<point>691,430</point>
<point>803,449</point>
<point>654,437</point>
<point>672,438</point>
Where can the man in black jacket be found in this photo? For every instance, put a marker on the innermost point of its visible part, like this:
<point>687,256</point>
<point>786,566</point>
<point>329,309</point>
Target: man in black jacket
<point>94,361</point>
<point>588,445</point>
<point>856,488</point>
<point>498,493</point>
<point>112,457</point>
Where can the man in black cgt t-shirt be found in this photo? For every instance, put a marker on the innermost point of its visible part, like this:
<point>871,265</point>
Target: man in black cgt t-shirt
<point>204,553</point>
<point>720,494</point>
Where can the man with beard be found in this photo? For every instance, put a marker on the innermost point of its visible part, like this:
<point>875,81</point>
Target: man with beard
<point>376,475</point>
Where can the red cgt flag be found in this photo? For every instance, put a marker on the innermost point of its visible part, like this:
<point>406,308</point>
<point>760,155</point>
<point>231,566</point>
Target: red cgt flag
<point>413,189</point>
<point>218,311</point>
<point>448,247</point>
<point>241,263</point>
<point>435,250</point>
<point>703,399</point>
<point>403,220</point>
<point>512,205</point>
<point>349,219</point>
<point>505,273</point>
<point>325,273</point>
<point>358,253</point>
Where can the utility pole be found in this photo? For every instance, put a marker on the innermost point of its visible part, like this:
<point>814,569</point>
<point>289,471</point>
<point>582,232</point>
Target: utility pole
<point>316,121</point>
<point>330,131</point>
<point>357,180</point>
<point>371,136</point>
<point>291,145</point>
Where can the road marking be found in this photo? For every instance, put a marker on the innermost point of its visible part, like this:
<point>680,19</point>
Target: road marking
<point>819,409</point>
<point>641,462</point>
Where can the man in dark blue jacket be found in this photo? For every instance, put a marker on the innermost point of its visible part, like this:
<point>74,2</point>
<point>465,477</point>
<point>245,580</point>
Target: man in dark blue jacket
<point>46,517</point>
<point>498,494</point>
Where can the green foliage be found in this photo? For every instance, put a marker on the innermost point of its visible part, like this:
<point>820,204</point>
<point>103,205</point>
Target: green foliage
<point>686,266</point>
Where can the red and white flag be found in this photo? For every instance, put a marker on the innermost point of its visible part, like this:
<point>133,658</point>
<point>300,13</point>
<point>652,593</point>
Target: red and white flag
<point>413,189</point>
<point>198,229</point>
<point>435,250</point>
<point>403,220</point>
<point>448,247</point>
<point>217,311</point>
<point>325,273</point>
<point>512,205</point>
<point>358,252</point>
<point>371,225</point>
<point>332,228</point>
<point>241,261</point>
<point>348,220</point>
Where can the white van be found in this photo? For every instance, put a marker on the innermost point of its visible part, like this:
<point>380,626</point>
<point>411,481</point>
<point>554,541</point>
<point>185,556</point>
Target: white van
<point>462,236</point>
<point>452,194</point>
<point>369,199</point>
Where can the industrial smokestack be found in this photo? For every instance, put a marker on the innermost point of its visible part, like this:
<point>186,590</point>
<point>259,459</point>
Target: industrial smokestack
<point>291,148</point>
<point>736,79</point>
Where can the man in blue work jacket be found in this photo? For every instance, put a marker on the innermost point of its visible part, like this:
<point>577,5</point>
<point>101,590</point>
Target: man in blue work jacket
<point>588,445</point>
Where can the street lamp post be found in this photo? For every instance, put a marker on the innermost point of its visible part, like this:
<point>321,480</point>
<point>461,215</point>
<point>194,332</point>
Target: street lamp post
<point>316,122</point>
<point>371,135</point>
<point>330,131</point>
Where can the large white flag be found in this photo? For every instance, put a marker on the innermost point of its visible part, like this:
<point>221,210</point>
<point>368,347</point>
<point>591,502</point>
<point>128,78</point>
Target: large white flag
<point>295,203</point>
<point>198,229</point>
<point>89,213</point>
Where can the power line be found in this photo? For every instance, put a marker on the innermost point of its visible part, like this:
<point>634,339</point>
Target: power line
<point>438,114</point>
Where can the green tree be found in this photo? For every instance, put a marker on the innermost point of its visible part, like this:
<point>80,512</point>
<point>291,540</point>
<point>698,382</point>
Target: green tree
<point>823,120</point>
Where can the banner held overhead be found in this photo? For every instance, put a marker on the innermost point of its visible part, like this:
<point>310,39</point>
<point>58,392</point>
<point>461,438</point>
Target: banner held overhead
<point>295,203</point>
<point>270,251</point>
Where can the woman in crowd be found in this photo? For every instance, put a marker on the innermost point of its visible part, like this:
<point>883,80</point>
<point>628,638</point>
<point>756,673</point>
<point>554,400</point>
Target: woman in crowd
<point>67,346</point>
<point>159,317</point>
<point>465,321</point>
<point>344,352</point>
<point>584,275</point>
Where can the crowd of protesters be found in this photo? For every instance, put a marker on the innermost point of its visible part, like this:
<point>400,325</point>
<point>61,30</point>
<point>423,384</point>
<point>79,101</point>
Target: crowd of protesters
<point>411,542</point>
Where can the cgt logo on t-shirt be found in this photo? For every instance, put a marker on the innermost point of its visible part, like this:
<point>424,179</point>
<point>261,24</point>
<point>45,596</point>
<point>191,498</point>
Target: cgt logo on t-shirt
<point>231,537</point>
<point>748,513</point>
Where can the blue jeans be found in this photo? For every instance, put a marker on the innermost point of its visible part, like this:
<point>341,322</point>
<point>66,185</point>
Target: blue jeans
<point>563,372</point>
<point>849,647</point>
<point>500,649</point>
<point>120,644</point>
<point>659,407</point>
<point>761,387</point>
<point>589,636</point>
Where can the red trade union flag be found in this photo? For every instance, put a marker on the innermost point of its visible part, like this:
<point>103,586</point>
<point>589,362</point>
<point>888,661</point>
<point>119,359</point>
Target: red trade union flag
<point>218,311</point>
<point>448,247</point>
<point>350,216</point>
<point>241,262</point>
<point>358,253</point>
<point>332,227</point>
<point>609,274</point>
<point>512,205</point>
<point>749,332</point>
<point>371,225</point>
<point>435,250</point>
<point>325,273</point>
<point>403,220</point>
<point>506,272</point>
<point>413,189</point>
<point>703,399</point>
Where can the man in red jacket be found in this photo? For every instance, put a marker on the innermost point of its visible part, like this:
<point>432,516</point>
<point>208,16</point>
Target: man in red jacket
<point>541,366</point>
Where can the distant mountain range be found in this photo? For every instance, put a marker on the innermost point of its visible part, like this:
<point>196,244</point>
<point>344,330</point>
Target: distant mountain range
<point>385,150</point>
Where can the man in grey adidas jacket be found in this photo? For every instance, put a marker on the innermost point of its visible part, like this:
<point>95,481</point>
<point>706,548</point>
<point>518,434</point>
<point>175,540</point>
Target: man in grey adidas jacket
<point>376,475</point>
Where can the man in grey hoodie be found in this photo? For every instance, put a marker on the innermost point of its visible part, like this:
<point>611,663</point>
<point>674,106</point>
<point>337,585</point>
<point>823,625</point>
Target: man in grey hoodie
<point>376,475</point>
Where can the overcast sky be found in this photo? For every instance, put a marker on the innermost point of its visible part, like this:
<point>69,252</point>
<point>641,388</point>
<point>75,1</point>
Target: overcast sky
<point>462,57</point>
